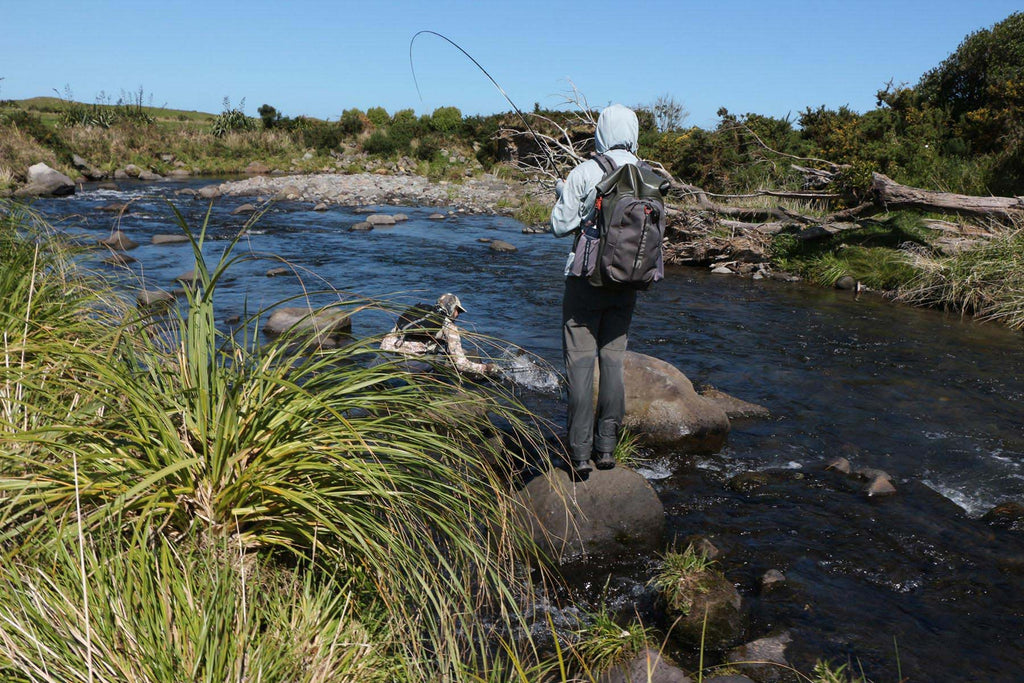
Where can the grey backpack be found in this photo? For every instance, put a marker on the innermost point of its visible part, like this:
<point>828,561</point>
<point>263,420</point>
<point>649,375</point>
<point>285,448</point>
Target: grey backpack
<point>622,246</point>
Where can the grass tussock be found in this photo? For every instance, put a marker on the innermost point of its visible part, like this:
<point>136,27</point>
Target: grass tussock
<point>681,577</point>
<point>123,432</point>
<point>986,281</point>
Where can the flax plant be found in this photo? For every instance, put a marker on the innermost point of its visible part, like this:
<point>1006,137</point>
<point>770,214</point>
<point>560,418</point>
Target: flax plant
<point>338,458</point>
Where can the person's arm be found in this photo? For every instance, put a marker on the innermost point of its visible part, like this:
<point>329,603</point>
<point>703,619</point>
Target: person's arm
<point>393,341</point>
<point>453,345</point>
<point>576,200</point>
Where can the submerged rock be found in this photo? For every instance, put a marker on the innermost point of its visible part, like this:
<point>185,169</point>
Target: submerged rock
<point>608,513</point>
<point>1009,515</point>
<point>120,241</point>
<point>244,208</point>
<point>764,660</point>
<point>735,408</point>
<point>154,298</point>
<point>501,246</point>
<point>169,239</point>
<point>328,326</point>
<point>378,219</point>
<point>43,180</point>
<point>662,406</point>
<point>649,666</point>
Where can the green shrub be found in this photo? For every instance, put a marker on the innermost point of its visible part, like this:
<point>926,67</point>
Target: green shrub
<point>352,122</point>
<point>446,119</point>
<point>232,120</point>
<point>379,143</point>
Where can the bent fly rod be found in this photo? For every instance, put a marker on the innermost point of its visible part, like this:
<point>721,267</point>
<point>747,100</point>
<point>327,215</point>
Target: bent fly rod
<point>508,99</point>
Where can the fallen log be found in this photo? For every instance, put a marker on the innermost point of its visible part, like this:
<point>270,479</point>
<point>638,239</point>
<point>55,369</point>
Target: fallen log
<point>891,195</point>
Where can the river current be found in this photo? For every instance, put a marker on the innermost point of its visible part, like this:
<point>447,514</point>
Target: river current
<point>932,399</point>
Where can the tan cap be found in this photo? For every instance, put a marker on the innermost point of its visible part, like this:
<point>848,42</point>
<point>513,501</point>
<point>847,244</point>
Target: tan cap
<point>449,303</point>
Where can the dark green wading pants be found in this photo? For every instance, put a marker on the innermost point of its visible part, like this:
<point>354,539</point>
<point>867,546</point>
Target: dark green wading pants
<point>595,322</point>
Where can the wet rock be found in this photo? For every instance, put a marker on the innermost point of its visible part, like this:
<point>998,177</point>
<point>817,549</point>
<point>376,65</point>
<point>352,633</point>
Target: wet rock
<point>154,298</point>
<point>327,326</point>
<point>436,216</point>
<point>772,578</point>
<point>846,282</point>
<point>610,512</point>
<point>150,176</point>
<point>662,406</point>
<point>288,192</point>
<point>704,547</point>
<point>783,276</point>
<point>399,217</point>
<point>1008,515</point>
<point>722,270</point>
<point>118,259</point>
<point>209,192</point>
<point>735,409</point>
<point>484,240</point>
<point>42,180</point>
<point>706,611</point>
<point>87,169</point>
<point>257,168</point>
<point>120,174</point>
<point>188,279</point>
<point>132,171</point>
<point>649,666</point>
<point>187,192</point>
<point>362,226</point>
<point>501,246</point>
<point>839,464</point>
<point>277,272</point>
<point>116,207</point>
<point>169,239</point>
<point>244,208</point>
<point>764,660</point>
<point>880,486</point>
<point>322,206</point>
<point>119,240</point>
<point>379,219</point>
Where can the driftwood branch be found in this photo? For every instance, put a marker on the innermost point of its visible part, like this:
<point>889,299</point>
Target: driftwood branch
<point>892,195</point>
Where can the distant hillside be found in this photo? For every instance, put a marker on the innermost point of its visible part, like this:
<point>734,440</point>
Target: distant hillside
<point>55,105</point>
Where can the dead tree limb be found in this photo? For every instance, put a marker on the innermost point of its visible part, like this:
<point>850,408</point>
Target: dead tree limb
<point>891,195</point>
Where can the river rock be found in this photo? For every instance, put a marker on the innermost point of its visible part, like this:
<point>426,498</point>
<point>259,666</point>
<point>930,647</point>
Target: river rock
<point>722,270</point>
<point>501,246</point>
<point>169,239</point>
<point>362,226</point>
<point>364,209</point>
<point>436,216</point>
<point>399,217</point>
<point>649,666</point>
<point>117,258</point>
<point>378,219</point>
<point>764,660</point>
<point>662,406</point>
<point>187,191</point>
<point>712,616</point>
<point>119,240</point>
<point>116,207</point>
<point>43,180</point>
<point>257,168</point>
<point>132,171</point>
<point>772,578</point>
<point>839,464</point>
<point>150,176</point>
<point>288,192</point>
<point>321,206</point>
<point>244,208</point>
<point>209,192</point>
<point>846,282</point>
<point>180,173</point>
<point>1008,515</point>
<point>612,511</point>
<point>327,326</point>
<point>277,272</point>
<point>87,169</point>
<point>154,298</point>
<point>735,409</point>
<point>189,279</point>
<point>121,174</point>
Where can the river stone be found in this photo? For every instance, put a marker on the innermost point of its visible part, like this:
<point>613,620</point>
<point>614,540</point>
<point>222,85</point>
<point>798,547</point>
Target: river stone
<point>377,219</point>
<point>116,207</point>
<point>154,298</point>
<point>722,270</point>
<point>43,180</point>
<point>501,246</point>
<point>399,217</point>
<point>772,578</point>
<point>327,326</point>
<point>713,617</point>
<point>288,192</point>
<point>189,279</point>
<point>1008,515</point>
<point>209,192</point>
<point>735,409</point>
<point>116,258</point>
<point>764,660</point>
<point>662,407</point>
<point>322,206</point>
<point>362,226</point>
<point>611,512</point>
<point>275,272</point>
<point>846,282</point>
<point>257,168</point>
<point>132,170</point>
<point>150,176</point>
<point>244,208</point>
<point>436,216</point>
<point>169,239</point>
<point>180,173</point>
<point>120,174</point>
<point>649,666</point>
<point>87,169</point>
<point>119,240</point>
<point>187,191</point>
<point>880,486</point>
<point>839,464</point>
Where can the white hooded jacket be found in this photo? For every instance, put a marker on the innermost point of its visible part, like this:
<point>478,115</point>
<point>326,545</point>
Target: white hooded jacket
<point>616,136</point>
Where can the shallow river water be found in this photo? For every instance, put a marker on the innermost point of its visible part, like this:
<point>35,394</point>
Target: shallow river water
<point>934,400</point>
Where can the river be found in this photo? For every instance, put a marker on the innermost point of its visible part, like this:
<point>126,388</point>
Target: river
<point>933,399</point>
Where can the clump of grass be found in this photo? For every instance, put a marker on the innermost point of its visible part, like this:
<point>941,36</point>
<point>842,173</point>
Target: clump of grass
<point>604,643</point>
<point>879,268</point>
<point>826,672</point>
<point>986,281</point>
<point>532,212</point>
<point>681,577</point>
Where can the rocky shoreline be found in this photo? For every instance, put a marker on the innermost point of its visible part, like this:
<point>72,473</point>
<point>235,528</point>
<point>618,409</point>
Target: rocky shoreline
<point>483,194</point>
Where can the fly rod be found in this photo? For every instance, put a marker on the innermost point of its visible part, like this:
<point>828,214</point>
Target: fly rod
<point>508,99</point>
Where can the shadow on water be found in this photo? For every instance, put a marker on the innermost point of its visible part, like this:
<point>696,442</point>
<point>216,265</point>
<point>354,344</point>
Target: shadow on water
<point>932,399</point>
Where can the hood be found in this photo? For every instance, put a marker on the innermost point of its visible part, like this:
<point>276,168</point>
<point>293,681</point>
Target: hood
<point>616,127</point>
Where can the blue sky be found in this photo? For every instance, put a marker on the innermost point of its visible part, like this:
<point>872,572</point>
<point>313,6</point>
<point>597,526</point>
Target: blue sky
<point>319,58</point>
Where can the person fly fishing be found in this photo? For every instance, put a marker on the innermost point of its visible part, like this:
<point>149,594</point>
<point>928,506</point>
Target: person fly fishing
<point>425,330</point>
<point>595,319</point>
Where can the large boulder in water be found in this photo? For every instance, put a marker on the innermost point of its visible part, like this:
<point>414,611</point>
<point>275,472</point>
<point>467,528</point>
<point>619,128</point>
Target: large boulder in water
<point>662,407</point>
<point>610,512</point>
<point>43,180</point>
<point>327,325</point>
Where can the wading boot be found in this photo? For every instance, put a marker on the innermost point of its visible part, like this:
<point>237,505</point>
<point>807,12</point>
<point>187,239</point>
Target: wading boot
<point>604,461</point>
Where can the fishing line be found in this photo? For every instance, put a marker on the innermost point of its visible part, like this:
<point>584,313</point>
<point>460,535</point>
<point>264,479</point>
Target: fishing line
<point>544,147</point>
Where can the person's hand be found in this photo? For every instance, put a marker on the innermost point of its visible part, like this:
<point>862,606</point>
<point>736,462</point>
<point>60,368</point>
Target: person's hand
<point>492,369</point>
<point>559,186</point>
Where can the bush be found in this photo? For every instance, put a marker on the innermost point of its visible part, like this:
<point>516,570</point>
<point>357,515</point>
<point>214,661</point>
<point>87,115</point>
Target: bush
<point>352,122</point>
<point>446,119</point>
<point>379,143</point>
<point>378,116</point>
<point>232,120</point>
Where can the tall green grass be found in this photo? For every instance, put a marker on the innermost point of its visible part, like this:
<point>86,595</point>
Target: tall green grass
<point>161,430</point>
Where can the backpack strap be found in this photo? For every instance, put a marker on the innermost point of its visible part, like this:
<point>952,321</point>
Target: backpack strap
<point>606,163</point>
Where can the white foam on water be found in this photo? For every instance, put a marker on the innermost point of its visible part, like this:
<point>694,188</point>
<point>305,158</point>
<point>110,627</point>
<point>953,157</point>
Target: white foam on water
<point>969,504</point>
<point>527,373</point>
<point>654,470</point>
